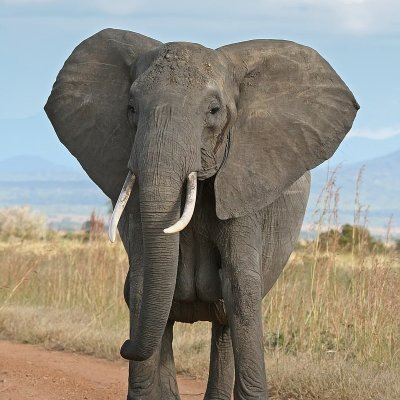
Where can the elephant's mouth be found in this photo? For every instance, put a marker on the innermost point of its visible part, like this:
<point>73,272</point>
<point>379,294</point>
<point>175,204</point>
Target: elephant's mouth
<point>191,192</point>
<point>211,163</point>
<point>206,173</point>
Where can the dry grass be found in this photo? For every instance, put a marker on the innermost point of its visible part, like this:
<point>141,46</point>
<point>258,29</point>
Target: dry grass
<point>65,274</point>
<point>332,321</point>
<point>322,304</point>
<point>306,377</point>
<point>69,330</point>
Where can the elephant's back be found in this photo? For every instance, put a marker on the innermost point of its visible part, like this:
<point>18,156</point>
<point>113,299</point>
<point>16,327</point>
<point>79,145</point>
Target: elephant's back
<point>281,228</point>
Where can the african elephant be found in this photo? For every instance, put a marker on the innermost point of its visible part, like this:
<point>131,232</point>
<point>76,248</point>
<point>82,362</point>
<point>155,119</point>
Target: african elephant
<point>226,135</point>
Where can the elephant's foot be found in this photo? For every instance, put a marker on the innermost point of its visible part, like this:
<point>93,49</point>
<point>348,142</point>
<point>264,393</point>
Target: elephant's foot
<point>216,394</point>
<point>139,394</point>
<point>245,396</point>
<point>169,388</point>
<point>155,384</point>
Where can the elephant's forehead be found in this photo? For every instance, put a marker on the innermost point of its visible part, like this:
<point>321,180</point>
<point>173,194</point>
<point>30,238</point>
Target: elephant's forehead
<point>185,51</point>
<point>182,64</point>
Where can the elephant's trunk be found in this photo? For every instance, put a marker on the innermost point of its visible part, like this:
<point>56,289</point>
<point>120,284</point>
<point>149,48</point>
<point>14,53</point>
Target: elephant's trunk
<point>162,159</point>
<point>161,253</point>
<point>159,208</point>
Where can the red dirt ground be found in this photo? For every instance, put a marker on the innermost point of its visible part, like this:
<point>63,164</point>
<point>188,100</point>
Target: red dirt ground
<point>29,372</point>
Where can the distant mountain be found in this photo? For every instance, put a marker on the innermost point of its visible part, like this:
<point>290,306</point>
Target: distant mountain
<point>66,195</point>
<point>379,189</point>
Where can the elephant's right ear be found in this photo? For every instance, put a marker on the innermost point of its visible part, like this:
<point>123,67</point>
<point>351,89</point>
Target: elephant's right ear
<point>89,101</point>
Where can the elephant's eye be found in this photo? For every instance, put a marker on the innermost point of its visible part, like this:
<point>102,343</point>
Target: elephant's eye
<point>131,106</point>
<point>214,109</point>
<point>132,116</point>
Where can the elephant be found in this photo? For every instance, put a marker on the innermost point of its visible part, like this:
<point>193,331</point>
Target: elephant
<point>205,155</point>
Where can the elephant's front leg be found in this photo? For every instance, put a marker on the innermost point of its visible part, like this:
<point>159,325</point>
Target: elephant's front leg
<point>154,378</point>
<point>242,288</point>
<point>144,376</point>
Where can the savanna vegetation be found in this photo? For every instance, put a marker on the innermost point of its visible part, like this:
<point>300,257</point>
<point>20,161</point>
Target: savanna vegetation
<point>332,321</point>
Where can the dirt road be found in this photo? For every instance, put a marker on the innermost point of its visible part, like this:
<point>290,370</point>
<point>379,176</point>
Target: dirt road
<point>29,372</point>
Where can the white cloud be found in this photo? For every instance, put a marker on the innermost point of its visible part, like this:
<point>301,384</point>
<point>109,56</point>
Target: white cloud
<point>378,134</point>
<point>359,17</point>
<point>343,16</point>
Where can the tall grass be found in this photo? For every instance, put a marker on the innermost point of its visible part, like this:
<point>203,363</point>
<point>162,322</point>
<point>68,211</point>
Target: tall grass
<point>328,306</point>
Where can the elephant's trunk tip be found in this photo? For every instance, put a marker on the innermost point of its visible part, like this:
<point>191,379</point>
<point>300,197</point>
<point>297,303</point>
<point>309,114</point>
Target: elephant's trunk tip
<point>187,214</point>
<point>120,206</point>
<point>128,352</point>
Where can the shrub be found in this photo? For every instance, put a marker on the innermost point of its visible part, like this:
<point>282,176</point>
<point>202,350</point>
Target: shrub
<point>349,237</point>
<point>94,227</point>
<point>22,222</point>
<point>355,235</point>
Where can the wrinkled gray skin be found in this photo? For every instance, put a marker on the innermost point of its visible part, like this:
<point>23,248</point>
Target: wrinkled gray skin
<point>251,118</point>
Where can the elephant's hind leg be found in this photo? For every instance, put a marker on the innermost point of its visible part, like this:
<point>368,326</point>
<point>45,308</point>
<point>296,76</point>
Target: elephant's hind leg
<point>221,373</point>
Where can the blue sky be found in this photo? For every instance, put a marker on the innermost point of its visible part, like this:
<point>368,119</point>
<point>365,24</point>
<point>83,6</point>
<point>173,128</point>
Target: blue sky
<point>360,38</point>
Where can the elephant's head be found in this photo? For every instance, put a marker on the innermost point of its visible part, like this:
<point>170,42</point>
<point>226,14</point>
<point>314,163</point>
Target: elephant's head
<point>256,115</point>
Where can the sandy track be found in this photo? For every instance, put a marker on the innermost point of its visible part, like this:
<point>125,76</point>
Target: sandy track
<point>29,372</point>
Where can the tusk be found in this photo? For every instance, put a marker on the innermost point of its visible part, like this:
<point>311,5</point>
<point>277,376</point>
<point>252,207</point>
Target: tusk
<point>189,206</point>
<point>120,205</point>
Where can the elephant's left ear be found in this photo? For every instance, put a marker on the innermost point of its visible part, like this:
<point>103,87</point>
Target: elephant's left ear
<point>293,112</point>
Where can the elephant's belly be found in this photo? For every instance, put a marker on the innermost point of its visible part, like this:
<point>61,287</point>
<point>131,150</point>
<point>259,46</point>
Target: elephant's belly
<point>198,284</point>
<point>198,311</point>
<point>198,277</point>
